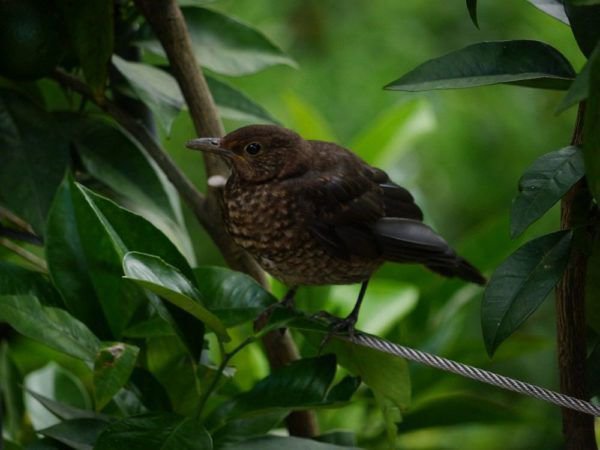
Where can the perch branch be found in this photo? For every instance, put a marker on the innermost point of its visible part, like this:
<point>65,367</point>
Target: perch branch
<point>578,428</point>
<point>168,24</point>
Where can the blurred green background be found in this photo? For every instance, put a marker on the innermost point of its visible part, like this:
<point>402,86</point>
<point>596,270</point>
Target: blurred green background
<point>461,153</point>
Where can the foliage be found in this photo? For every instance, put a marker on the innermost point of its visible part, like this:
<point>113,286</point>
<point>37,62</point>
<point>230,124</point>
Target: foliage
<point>120,331</point>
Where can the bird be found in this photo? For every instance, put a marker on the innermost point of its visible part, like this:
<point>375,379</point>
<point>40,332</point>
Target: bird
<point>313,213</point>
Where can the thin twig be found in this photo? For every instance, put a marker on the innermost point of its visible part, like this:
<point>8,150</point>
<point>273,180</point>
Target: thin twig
<point>14,219</point>
<point>31,258</point>
<point>18,235</point>
<point>226,358</point>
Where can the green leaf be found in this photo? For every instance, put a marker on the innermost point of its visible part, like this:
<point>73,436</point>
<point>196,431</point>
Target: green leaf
<point>579,89</point>
<point>11,394</point>
<point>87,238</point>
<point>116,159</point>
<point>234,105</point>
<point>232,296</point>
<point>553,8</point>
<point>15,280</point>
<point>225,45</point>
<point>584,16</point>
<point>155,88</point>
<point>520,284</point>
<point>472,7</point>
<point>58,384</point>
<point>249,427</point>
<point>90,27</point>
<point>168,282</point>
<point>84,254</point>
<point>112,368</point>
<point>543,184</point>
<point>591,128</point>
<point>53,327</point>
<point>466,409</point>
<point>34,158</point>
<point>520,62</point>
<point>161,93</point>
<point>385,374</point>
<point>302,384</point>
<point>155,431</point>
<point>64,411</point>
<point>80,434</point>
<point>287,443</point>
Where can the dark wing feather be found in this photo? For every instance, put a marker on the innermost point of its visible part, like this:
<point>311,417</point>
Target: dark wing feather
<point>358,210</point>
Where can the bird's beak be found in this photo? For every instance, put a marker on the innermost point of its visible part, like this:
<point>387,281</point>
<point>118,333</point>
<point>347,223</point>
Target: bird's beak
<point>211,145</point>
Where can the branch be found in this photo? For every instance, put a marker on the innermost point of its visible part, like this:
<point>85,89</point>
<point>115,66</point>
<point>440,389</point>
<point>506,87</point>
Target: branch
<point>31,258</point>
<point>18,235</point>
<point>578,428</point>
<point>168,24</point>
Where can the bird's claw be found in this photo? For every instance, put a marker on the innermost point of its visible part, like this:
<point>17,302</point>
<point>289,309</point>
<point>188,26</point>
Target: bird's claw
<point>338,326</point>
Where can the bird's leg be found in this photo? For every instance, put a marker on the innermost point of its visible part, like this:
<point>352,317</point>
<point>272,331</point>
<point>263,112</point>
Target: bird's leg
<point>346,325</point>
<point>289,299</point>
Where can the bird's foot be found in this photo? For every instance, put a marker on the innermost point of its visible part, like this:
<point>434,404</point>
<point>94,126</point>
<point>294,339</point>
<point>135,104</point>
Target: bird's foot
<point>338,326</point>
<point>288,302</point>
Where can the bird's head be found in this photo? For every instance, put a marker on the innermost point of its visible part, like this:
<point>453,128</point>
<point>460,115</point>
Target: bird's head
<point>259,153</point>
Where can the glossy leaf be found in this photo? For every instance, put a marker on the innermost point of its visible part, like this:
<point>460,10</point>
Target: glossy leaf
<point>232,296</point>
<point>58,384</point>
<point>553,8</point>
<point>168,282</point>
<point>235,105</point>
<point>237,430</point>
<point>579,89</point>
<point>161,93</point>
<point>112,368</point>
<point>226,45</point>
<point>64,411</point>
<point>155,431</point>
<point>155,88</point>
<point>287,443</point>
<point>84,254</point>
<point>79,434</point>
<point>88,235</point>
<point>524,63</point>
<point>33,160</point>
<point>114,158</point>
<point>90,27</point>
<point>53,327</point>
<point>385,374</point>
<point>591,128</point>
<point>543,184</point>
<point>584,16</point>
<point>520,284</point>
<point>472,7</point>
<point>300,385</point>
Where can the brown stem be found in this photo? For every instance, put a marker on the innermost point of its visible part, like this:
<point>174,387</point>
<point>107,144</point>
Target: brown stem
<point>168,24</point>
<point>578,428</point>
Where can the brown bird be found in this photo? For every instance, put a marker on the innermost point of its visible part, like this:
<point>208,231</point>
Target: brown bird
<point>314,213</point>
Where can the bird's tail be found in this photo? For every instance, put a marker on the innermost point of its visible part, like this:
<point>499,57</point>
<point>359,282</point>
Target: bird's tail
<point>411,241</point>
<point>460,268</point>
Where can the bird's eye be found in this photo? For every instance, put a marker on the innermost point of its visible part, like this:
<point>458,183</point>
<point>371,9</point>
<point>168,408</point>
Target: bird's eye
<point>253,148</point>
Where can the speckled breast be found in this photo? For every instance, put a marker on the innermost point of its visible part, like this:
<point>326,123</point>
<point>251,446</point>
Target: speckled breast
<point>273,228</point>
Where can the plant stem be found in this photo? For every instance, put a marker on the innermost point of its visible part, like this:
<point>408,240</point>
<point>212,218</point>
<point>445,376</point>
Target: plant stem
<point>31,258</point>
<point>226,358</point>
<point>578,428</point>
<point>168,24</point>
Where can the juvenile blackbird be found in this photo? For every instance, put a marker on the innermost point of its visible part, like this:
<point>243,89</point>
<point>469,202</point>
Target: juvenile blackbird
<point>313,213</point>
